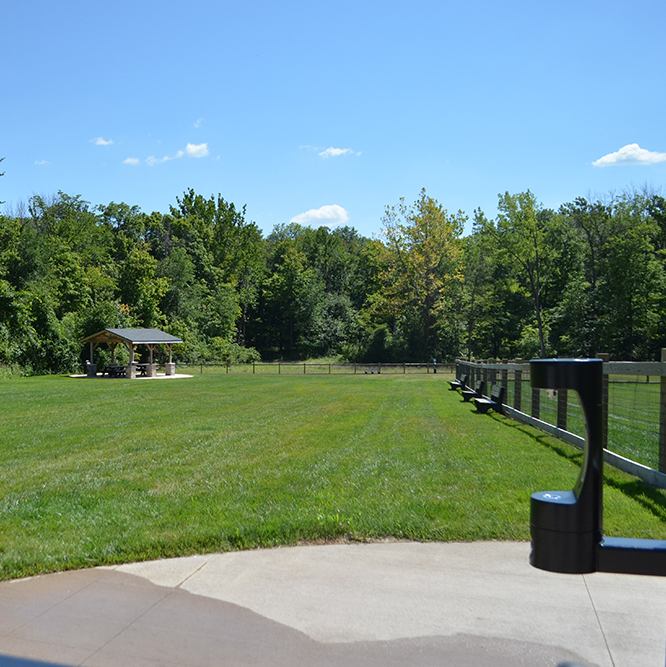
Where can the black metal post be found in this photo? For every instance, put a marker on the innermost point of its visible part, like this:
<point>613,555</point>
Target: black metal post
<point>567,526</point>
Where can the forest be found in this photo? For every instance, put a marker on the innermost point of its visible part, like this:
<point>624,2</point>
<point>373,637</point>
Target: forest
<point>588,277</point>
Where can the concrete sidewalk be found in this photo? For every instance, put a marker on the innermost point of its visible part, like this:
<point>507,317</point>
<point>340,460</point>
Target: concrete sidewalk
<point>475,604</point>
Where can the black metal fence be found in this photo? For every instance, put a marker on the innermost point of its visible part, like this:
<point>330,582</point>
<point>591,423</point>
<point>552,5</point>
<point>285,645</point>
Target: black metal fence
<point>634,405</point>
<point>315,368</point>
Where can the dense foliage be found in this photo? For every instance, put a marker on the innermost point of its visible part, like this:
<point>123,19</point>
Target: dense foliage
<point>589,277</point>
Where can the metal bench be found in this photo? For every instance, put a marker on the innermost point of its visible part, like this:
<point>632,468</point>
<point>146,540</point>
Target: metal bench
<point>494,401</point>
<point>477,392</point>
<point>459,384</point>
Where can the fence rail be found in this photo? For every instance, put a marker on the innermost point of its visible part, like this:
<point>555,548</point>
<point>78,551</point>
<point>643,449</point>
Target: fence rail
<point>634,409</point>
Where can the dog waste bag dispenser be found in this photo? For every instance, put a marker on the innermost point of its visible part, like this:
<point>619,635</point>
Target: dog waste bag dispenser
<point>567,526</point>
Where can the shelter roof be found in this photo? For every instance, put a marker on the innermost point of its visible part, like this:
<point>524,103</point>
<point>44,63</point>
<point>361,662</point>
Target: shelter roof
<point>133,336</point>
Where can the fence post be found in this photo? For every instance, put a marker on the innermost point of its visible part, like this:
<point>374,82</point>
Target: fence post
<point>517,386</point>
<point>562,408</point>
<point>493,373</point>
<point>605,357</point>
<point>662,418</point>
<point>536,402</point>
<point>303,368</point>
<point>504,381</point>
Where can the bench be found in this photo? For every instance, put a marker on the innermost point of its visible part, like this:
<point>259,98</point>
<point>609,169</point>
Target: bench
<point>115,371</point>
<point>459,384</point>
<point>109,369</point>
<point>494,401</point>
<point>477,392</point>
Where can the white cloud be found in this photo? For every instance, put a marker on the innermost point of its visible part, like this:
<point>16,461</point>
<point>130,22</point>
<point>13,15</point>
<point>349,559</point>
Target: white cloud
<point>131,160</point>
<point>333,152</point>
<point>100,141</point>
<point>191,150</point>
<point>630,154</point>
<point>196,150</point>
<point>157,160</point>
<point>326,216</point>
<point>42,162</point>
<point>198,123</point>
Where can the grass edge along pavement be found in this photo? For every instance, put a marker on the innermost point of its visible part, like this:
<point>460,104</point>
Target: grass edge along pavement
<point>104,472</point>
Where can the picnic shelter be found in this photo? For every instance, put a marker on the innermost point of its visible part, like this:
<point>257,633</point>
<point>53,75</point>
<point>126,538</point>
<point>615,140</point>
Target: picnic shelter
<point>131,338</point>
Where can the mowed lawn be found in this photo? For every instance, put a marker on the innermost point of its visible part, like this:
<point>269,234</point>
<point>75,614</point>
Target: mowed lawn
<point>109,471</point>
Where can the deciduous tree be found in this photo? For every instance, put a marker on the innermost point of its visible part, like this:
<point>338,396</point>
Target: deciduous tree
<point>424,253</point>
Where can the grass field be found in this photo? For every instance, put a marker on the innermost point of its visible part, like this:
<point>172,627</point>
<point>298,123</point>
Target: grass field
<point>109,471</point>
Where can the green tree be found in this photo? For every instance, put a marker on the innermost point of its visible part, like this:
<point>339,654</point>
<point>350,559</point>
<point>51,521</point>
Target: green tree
<point>219,313</point>
<point>423,260</point>
<point>235,246</point>
<point>290,302</point>
<point>577,316</point>
<point>76,223</point>
<point>632,281</point>
<point>141,290</point>
<point>521,232</point>
<point>478,298</point>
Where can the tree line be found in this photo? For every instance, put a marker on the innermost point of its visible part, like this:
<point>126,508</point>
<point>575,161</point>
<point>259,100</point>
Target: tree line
<point>585,278</point>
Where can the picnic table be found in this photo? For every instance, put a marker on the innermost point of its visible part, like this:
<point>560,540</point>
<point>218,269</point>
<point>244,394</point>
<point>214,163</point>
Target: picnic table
<point>120,371</point>
<point>115,371</point>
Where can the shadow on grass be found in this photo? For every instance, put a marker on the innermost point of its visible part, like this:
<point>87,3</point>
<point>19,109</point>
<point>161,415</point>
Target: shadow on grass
<point>650,498</point>
<point>560,447</point>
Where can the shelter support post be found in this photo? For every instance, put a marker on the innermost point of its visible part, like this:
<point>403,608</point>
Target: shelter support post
<point>131,368</point>
<point>151,368</point>
<point>170,367</point>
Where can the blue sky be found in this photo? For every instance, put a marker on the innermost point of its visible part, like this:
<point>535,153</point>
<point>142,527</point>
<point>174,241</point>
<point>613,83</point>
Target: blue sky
<point>326,112</point>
